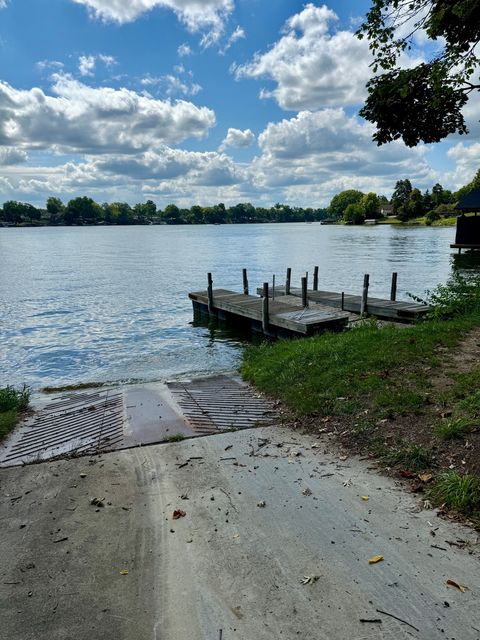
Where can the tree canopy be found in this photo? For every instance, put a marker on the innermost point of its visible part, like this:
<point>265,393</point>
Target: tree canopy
<point>424,102</point>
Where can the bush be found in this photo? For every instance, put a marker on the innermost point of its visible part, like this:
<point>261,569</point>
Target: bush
<point>458,492</point>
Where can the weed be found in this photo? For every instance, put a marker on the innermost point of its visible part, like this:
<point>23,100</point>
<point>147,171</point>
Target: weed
<point>8,420</point>
<point>455,491</point>
<point>413,457</point>
<point>177,437</point>
<point>14,399</point>
<point>73,387</point>
<point>453,428</point>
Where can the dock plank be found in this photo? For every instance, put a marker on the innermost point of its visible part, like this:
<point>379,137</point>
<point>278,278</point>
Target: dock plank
<point>284,313</point>
<point>380,307</point>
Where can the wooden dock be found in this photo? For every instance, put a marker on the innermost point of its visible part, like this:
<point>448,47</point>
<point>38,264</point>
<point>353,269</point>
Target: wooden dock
<point>399,310</point>
<point>284,317</point>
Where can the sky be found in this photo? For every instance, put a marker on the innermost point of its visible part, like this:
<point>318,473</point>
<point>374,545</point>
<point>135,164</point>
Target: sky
<point>200,102</point>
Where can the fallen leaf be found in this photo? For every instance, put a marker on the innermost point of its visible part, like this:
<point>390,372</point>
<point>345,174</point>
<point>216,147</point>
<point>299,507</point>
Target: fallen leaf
<point>348,483</point>
<point>124,572</point>
<point>425,477</point>
<point>456,584</point>
<point>375,559</point>
<point>366,498</point>
<point>307,492</point>
<point>177,514</point>
<point>407,474</point>
<point>309,579</point>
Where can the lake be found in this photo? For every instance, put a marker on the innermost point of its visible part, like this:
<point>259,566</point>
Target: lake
<point>110,303</point>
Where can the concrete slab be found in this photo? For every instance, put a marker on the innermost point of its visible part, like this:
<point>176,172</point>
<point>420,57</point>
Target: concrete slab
<point>229,568</point>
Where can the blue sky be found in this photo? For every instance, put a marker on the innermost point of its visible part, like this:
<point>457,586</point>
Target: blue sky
<point>199,101</point>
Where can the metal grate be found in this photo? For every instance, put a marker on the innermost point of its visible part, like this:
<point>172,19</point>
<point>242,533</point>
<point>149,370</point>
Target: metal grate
<point>217,404</point>
<point>79,423</point>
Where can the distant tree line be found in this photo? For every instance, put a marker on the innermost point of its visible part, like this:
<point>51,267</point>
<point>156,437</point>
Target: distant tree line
<point>350,206</point>
<point>85,211</point>
<point>406,203</point>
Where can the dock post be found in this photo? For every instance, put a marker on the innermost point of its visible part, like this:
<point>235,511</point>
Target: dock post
<point>245,282</point>
<point>343,301</point>
<point>315,279</point>
<point>304,293</point>
<point>210,293</point>
<point>363,305</point>
<point>265,308</point>
<point>393,290</point>
<point>288,281</point>
<point>273,287</point>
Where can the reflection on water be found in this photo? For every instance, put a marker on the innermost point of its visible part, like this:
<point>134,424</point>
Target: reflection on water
<point>110,303</point>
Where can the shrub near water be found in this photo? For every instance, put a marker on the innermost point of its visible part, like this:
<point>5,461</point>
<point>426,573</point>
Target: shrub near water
<point>12,403</point>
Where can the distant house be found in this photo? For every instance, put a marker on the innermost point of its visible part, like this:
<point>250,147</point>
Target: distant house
<point>386,209</point>
<point>468,227</point>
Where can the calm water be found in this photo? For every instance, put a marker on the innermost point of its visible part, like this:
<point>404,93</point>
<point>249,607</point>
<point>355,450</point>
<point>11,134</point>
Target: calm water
<point>108,304</point>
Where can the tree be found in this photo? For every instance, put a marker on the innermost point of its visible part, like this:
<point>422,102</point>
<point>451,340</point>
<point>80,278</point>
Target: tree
<point>56,209</point>
<point>354,214</point>
<point>370,205</point>
<point>171,214</point>
<point>401,195</point>
<point>340,202</point>
<point>422,103</point>
<point>82,210</point>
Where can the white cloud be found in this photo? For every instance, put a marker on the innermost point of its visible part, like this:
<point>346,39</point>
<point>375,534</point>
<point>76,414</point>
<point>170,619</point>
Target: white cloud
<point>466,157</point>
<point>313,68</point>
<point>326,151</point>
<point>184,50</point>
<point>238,138</point>
<point>174,85</point>
<point>86,65</point>
<point>238,34</point>
<point>198,15</point>
<point>83,119</point>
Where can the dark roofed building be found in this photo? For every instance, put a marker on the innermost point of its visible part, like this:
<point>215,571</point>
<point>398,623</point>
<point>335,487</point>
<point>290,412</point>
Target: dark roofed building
<point>468,227</point>
<point>470,203</point>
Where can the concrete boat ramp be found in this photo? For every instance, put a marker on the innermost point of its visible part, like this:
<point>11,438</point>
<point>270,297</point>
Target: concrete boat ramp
<point>106,419</point>
<point>258,534</point>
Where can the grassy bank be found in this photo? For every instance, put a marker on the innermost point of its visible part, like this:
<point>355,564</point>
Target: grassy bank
<point>13,402</point>
<point>406,395</point>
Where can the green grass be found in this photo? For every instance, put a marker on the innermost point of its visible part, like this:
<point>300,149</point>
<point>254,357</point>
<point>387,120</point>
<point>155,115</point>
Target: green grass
<point>454,428</point>
<point>412,457</point>
<point>8,420</point>
<point>457,492</point>
<point>365,367</point>
<point>14,399</point>
<point>12,403</point>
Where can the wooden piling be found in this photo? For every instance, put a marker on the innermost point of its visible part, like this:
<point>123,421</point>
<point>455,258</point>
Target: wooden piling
<point>364,303</point>
<point>210,293</point>
<point>288,281</point>
<point>315,279</point>
<point>343,301</point>
<point>304,293</point>
<point>393,289</point>
<point>265,308</point>
<point>245,282</point>
<point>273,287</point>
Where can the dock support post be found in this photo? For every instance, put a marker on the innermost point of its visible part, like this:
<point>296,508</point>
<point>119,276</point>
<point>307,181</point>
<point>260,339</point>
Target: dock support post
<point>304,293</point>
<point>265,308</point>
<point>245,282</point>
<point>210,294</point>
<point>273,287</point>
<point>393,290</point>
<point>315,279</point>
<point>363,305</point>
<point>288,281</point>
<point>343,301</point>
